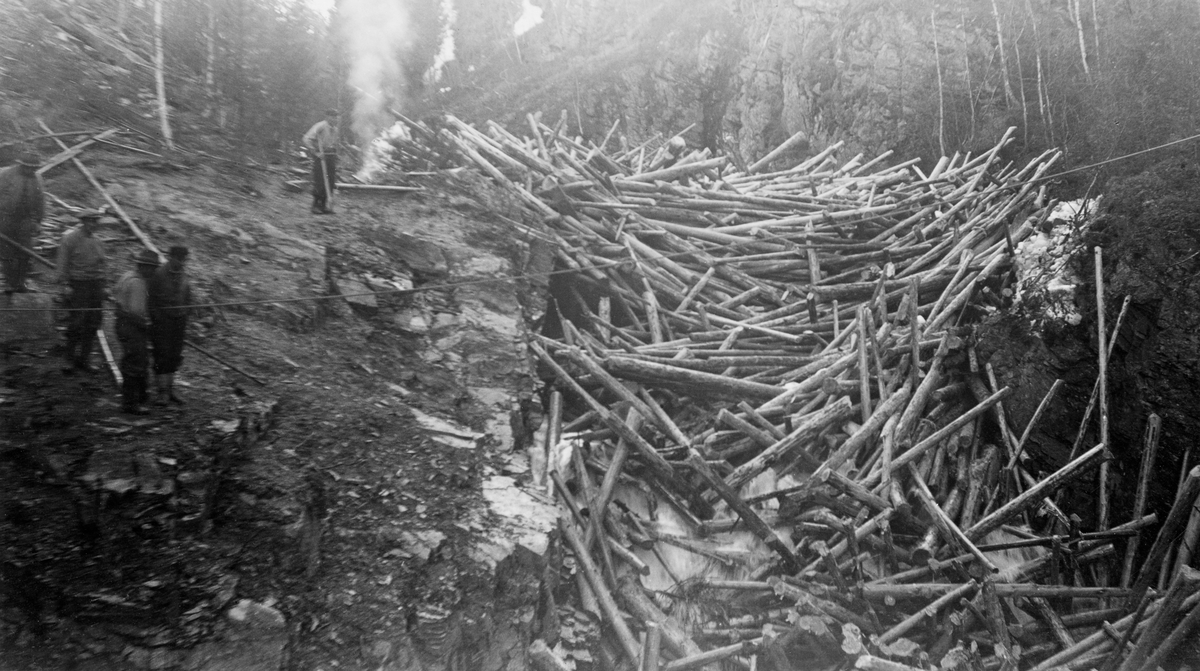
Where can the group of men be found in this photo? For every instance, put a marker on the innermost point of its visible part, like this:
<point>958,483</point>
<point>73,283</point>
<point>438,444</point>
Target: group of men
<point>151,300</point>
<point>151,315</point>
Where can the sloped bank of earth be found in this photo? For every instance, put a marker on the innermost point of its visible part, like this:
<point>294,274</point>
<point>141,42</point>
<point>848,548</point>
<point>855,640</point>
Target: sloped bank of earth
<point>357,509</point>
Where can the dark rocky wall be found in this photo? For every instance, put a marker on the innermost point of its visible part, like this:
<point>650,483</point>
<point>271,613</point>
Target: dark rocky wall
<point>1149,229</point>
<point>744,75</point>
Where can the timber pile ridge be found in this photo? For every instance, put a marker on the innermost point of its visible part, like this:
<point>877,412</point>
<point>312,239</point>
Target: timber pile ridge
<point>806,320</point>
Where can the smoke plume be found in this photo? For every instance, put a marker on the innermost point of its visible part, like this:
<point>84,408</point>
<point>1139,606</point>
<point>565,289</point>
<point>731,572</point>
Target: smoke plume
<point>376,34</point>
<point>448,17</point>
<point>531,15</point>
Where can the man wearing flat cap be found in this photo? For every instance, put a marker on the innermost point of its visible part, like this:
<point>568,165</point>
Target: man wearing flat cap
<point>81,265</point>
<point>133,325</point>
<point>170,294</point>
<point>21,209</point>
<point>321,142</point>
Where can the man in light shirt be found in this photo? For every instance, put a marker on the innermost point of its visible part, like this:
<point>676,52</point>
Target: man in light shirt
<point>321,142</point>
<point>133,323</point>
<point>81,265</point>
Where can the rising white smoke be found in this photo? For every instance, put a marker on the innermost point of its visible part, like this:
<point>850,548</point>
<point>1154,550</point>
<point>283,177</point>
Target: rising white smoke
<point>376,33</point>
<point>531,15</point>
<point>377,154</point>
<point>445,54</point>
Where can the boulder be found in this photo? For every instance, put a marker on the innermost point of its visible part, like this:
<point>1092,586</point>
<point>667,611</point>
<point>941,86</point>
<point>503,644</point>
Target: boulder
<point>423,257</point>
<point>358,295</point>
<point>255,641</point>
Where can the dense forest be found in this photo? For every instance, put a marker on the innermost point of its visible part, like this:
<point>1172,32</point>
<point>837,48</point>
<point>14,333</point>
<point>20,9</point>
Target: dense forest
<point>922,77</point>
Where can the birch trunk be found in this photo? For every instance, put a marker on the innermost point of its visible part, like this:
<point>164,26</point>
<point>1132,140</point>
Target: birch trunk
<point>1077,17</point>
<point>159,81</point>
<point>210,59</point>
<point>1024,100</point>
<point>1009,96</point>
<point>937,59</point>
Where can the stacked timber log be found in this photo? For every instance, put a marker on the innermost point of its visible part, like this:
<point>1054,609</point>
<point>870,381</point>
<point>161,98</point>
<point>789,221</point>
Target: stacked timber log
<point>810,327</point>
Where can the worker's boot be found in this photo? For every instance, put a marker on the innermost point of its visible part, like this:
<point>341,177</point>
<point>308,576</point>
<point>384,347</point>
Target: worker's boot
<point>130,397</point>
<point>143,394</point>
<point>85,352</point>
<point>171,390</point>
<point>72,346</point>
<point>22,272</point>
<point>160,389</point>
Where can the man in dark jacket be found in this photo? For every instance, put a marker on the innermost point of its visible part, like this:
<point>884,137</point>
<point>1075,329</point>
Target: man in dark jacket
<point>21,209</point>
<point>170,291</point>
<point>81,264</point>
<point>133,323</point>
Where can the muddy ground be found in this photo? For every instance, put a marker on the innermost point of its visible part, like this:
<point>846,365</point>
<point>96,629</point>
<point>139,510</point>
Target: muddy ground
<point>349,498</point>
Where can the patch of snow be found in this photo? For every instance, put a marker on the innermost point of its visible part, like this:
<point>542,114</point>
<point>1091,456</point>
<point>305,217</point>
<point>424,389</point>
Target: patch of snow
<point>525,520</point>
<point>1045,281</point>
<point>446,432</point>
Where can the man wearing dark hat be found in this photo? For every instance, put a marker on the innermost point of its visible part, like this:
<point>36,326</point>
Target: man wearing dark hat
<point>81,264</point>
<point>170,292</point>
<point>321,141</point>
<point>21,209</point>
<point>133,322</point>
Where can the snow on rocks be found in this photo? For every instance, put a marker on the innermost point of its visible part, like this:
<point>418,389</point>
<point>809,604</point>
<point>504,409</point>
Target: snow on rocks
<point>525,520</point>
<point>1046,282</point>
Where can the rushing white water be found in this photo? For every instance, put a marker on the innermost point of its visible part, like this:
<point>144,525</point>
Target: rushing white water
<point>728,555</point>
<point>1046,280</point>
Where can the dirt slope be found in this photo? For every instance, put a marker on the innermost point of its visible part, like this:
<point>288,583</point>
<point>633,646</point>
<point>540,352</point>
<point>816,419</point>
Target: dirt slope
<point>333,502</point>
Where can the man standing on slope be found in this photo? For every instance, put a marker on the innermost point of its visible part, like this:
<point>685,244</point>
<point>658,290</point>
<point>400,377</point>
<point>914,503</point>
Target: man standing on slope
<point>81,266</point>
<point>21,209</point>
<point>321,141</point>
<point>169,294</point>
<point>133,321</point>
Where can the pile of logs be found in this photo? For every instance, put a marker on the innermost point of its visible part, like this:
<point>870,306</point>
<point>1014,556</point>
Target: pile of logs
<point>813,324</point>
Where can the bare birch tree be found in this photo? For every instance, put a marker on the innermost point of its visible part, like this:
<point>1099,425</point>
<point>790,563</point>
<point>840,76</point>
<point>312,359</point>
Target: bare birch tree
<point>159,80</point>
<point>1009,96</point>
<point>210,58</point>
<point>1077,16</point>
<point>937,59</point>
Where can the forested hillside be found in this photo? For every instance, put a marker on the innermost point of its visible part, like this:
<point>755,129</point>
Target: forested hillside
<point>920,77</point>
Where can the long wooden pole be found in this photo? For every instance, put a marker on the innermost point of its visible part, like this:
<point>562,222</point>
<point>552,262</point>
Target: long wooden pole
<point>223,362</point>
<point>1149,455</point>
<point>1033,495</point>
<point>1169,533</point>
<point>607,603</point>
<point>32,254</point>
<point>1185,583</point>
<point>137,232</point>
<point>68,154</point>
<point>1102,334</point>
